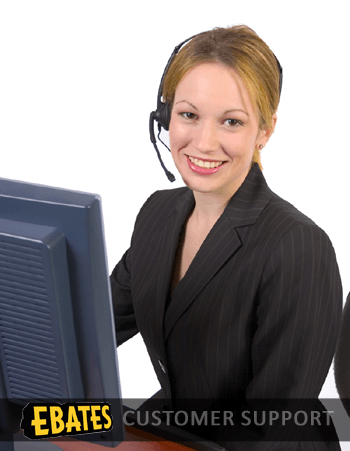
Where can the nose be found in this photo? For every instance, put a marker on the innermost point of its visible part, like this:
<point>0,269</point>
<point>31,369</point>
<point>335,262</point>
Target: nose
<point>206,137</point>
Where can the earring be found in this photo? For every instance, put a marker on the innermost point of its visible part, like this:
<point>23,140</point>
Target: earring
<point>261,147</point>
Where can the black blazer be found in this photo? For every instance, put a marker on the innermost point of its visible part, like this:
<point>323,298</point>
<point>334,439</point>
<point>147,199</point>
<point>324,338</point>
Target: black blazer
<point>342,358</point>
<point>257,313</point>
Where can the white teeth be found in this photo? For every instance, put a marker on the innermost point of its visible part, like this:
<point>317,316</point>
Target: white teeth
<point>205,164</point>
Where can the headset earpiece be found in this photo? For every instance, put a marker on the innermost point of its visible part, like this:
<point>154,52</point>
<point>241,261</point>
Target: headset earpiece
<point>162,115</point>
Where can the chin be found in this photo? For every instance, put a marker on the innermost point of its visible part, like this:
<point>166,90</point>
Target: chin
<point>201,186</point>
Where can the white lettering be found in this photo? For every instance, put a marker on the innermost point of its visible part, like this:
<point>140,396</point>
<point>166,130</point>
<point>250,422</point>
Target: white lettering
<point>315,416</point>
<point>286,415</point>
<point>228,417</point>
<point>177,422</point>
<point>167,414</point>
<point>198,421</point>
<point>327,412</point>
<point>155,416</point>
<point>124,418</point>
<point>296,418</point>
<point>273,415</point>
<point>244,415</point>
<point>214,417</point>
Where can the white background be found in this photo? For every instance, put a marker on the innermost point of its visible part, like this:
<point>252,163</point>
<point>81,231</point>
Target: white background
<point>78,80</point>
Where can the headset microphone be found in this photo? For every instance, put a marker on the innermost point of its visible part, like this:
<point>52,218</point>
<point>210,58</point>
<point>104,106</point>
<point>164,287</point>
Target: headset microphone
<point>163,112</point>
<point>152,118</point>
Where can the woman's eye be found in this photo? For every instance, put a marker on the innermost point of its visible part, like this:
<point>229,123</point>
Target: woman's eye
<point>233,122</point>
<point>188,115</point>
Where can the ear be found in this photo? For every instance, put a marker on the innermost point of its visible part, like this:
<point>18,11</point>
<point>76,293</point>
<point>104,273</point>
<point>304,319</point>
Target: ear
<point>266,133</point>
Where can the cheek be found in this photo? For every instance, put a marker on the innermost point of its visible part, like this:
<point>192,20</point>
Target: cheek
<point>236,144</point>
<point>178,136</point>
<point>173,141</point>
<point>172,135</point>
<point>246,142</point>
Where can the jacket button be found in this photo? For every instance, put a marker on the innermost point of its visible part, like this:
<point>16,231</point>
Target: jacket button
<point>162,366</point>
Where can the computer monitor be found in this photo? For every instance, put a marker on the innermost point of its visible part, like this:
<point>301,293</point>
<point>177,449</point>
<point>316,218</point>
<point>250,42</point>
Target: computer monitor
<point>57,337</point>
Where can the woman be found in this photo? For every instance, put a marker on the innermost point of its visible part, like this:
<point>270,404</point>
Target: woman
<point>236,293</point>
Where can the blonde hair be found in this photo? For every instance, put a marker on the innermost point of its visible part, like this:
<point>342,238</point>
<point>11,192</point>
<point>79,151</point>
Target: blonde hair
<point>240,48</point>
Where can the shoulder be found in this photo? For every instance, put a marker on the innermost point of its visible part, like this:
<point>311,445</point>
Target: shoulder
<point>263,218</point>
<point>276,232</point>
<point>283,210</point>
<point>297,257</point>
<point>283,219</point>
<point>297,245</point>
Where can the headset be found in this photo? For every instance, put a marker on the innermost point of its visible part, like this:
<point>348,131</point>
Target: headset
<point>163,112</point>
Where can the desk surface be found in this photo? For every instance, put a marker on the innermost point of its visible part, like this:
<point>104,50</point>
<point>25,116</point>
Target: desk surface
<point>136,439</point>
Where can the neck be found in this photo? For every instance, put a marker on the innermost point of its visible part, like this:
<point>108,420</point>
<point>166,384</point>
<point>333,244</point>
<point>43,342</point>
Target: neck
<point>208,207</point>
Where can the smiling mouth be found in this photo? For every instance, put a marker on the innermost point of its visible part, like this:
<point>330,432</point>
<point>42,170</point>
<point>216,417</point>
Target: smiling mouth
<point>205,164</point>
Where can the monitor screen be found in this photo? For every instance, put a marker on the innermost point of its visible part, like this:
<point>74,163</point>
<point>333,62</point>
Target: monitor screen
<point>57,337</point>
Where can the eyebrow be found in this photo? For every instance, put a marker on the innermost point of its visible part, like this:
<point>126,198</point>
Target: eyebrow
<point>236,109</point>
<point>226,112</point>
<point>180,101</point>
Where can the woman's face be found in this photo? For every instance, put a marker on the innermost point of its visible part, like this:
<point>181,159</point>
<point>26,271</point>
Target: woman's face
<point>214,129</point>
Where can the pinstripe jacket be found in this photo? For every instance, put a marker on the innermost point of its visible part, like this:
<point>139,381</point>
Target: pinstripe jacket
<point>258,311</point>
<point>342,358</point>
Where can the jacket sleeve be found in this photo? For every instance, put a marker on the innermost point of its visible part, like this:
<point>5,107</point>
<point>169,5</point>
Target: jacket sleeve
<point>297,323</point>
<point>298,317</point>
<point>124,317</point>
<point>342,359</point>
<point>121,289</point>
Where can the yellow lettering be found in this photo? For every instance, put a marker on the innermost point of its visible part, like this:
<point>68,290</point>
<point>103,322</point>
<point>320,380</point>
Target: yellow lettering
<point>73,421</point>
<point>94,418</point>
<point>37,422</point>
<point>107,417</point>
<point>57,424</point>
<point>84,409</point>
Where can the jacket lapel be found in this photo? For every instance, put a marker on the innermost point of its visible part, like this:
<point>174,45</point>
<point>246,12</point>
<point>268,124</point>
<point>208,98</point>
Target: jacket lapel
<point>221,244</point>
<point>165,246</point>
